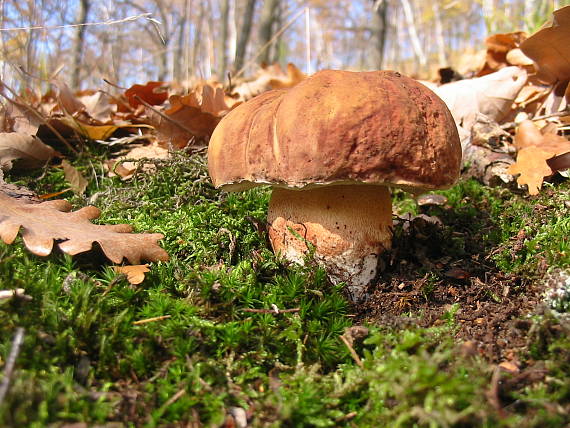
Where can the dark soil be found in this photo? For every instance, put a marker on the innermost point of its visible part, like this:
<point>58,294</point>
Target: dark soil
<point>439,261</point>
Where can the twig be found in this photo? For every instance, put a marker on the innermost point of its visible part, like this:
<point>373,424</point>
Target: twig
<point>565,112</point>
<point>164,116</point>
<point>153,319</point>
<point>271,311</point>
<point>146,16</point>
<point>11,362</point>
<point>174,398</point>
<point>353,353</point>
<point>266,45</point>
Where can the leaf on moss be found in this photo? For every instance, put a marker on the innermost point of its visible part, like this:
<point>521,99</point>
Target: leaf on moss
<point>135,273</point>
<point>76,181</point>
<point>28,150</point>
<point>535,149</point>
<point>42,224</point>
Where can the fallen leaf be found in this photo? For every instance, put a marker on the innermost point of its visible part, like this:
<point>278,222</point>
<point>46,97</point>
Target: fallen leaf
<point>193,115</point>
<point>28,150</point>
<point>498,46</point>
<point>98,105</point>
<point>152,93</point>
<point>76,181</point>
<point>68,102</point>
<point>294,76</point>
<point>491,95</point>
<point>534,151</point>
<point>135,273</point>
<point>509,366</point>
<point>549,47</point>
<point>73,232</point>
<point>126,169</point>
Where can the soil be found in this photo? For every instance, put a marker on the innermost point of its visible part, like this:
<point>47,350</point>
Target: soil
<point>423,276</point>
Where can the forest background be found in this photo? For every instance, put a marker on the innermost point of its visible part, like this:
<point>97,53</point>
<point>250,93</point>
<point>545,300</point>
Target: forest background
<point>128,41</point>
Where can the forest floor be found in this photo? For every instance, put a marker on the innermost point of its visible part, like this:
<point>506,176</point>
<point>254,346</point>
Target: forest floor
<point>467,324</point>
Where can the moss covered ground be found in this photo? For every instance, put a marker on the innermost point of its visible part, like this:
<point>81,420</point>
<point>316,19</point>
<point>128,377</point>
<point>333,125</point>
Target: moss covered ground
<point>209,360</point>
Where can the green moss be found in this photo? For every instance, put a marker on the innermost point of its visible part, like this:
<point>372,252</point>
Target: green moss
<point>85,359</point>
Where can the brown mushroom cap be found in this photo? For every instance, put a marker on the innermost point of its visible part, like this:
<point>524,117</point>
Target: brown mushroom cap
<point>338,127</point>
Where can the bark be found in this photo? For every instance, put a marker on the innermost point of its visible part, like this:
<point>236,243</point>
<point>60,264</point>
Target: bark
<point>269,15</point>
<point>440,41</point>
<point>79,42</point>
<point>197,39</point>
<point>379,28</point>
<point>223,41</point>
<point>178,62</point>
<point>244,34</point>
<point>413,32</point>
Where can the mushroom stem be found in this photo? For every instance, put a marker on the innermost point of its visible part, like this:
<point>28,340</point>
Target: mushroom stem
<point>349,226</point>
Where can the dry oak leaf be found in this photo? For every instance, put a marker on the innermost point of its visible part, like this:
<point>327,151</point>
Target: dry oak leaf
<point>498,47</point>
<point>534,151</point>
<point>135,273</point>
<point>28,150</point>
<point>152,93</point>
<point>491,95</point>
<point>192,115</point>
<point>73,232</point>
<point>549,47</point>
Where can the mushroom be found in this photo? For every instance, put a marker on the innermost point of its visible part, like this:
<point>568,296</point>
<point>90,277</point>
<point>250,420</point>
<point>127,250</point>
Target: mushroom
<point>331,147</point>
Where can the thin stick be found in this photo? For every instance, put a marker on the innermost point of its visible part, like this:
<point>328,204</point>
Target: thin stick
<point>164,116</point>
<point>87,24</point>
<point>153,319</point>
<point>11,362</point>
<point>265,46</point>
<point>565,112</point>
<point>173,398</point>
<point>271,311</point>
<point>353,353</point>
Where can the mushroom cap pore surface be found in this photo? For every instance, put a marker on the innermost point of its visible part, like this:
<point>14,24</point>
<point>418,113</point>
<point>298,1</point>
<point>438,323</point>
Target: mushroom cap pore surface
<point>338,127</point>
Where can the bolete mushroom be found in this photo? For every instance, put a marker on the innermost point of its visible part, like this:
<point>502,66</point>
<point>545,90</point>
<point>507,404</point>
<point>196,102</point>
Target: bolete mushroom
<point>331,147</point>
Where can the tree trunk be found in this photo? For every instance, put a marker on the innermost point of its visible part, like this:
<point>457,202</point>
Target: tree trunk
<point>223,41</point>
<point>411,24</point>
<point>244,34</point>
<point>269,15</point>
<point>379,27</point>
<point>78,43</point>
<point>439,40</point>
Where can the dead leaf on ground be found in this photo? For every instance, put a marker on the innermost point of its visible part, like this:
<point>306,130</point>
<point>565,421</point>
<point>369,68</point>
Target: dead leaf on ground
<point>152,93</point>
<point>73,231</point>
<point>491,95</point>
<point>27,150</point>
<point>76,181</point>
<point>534,151</point>
<point>498,47</point>
<point>135,273</point>
<point>126,169</point>
<point>550,47</point>
<point>193,115</point>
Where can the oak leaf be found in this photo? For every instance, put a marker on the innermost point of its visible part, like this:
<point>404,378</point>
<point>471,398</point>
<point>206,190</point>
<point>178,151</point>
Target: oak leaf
<point>491,95</point>
<point>42,224</point>
<point>549,47</point>
<point>134,273</point>
<point>190,116</point>
<point>152,93</point>
<point>28,150</point>
<point>535,149</point>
